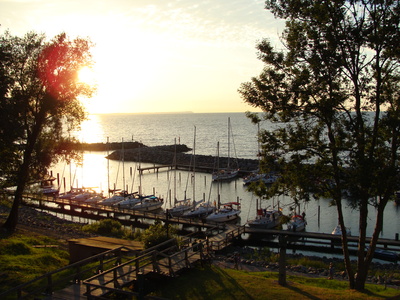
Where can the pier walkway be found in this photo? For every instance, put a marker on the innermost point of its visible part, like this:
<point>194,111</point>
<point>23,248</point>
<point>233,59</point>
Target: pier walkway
<point>123,267</point>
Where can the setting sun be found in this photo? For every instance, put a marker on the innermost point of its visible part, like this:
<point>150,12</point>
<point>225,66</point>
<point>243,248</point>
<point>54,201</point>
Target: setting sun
<point>87,75</point>
<point>157,56</point>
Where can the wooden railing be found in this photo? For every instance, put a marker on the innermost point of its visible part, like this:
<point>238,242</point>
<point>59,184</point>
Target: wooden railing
<point>73,273</point>
<point>153,261</point>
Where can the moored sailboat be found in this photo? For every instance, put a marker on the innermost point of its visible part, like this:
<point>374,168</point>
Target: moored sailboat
<point>266,218</point>
<point>227,212</point>
<point>148,203</point>
<point>228,172</point>
<point>297,223</point>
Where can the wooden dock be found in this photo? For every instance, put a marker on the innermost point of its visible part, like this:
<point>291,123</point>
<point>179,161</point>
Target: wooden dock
<point>157,168</point>
<point>125,216</point>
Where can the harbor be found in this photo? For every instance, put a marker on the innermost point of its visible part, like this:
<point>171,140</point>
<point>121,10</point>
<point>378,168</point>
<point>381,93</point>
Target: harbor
<point>243,235</point>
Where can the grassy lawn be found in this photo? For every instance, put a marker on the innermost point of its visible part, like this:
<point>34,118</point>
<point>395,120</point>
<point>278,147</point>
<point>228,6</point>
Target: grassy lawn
<point>23,258</point>
<point>215,283</point>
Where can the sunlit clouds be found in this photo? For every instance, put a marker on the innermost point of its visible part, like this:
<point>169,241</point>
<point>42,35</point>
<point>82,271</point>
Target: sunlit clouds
<point>154,56</point>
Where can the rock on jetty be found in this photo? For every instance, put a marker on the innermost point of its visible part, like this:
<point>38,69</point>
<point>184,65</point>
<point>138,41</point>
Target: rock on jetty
<point>164,155</point>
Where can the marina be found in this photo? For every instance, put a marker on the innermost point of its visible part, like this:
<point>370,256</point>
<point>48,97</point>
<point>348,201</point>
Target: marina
<point>244,234</point>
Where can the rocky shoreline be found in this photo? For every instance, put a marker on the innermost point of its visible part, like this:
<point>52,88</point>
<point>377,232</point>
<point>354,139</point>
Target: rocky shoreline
<point>44,223</point>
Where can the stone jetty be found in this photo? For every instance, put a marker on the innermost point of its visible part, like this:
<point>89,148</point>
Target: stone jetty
<point>164,155</point>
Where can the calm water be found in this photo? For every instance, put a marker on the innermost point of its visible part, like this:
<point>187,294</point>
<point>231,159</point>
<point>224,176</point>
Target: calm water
<point>161,129</point>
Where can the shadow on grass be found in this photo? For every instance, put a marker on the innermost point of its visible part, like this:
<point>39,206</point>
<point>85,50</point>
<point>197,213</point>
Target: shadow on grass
<point>202,283</point>
<point>301,292</point>
<point>212,282</point>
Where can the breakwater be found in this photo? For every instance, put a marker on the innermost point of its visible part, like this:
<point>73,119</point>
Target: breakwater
<point>171,155</point>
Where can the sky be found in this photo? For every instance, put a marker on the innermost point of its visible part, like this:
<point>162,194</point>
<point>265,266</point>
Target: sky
<point>158,55</point>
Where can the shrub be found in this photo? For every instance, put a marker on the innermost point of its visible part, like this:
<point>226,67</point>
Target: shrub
<point>156,234</point>
<point>108,227</point>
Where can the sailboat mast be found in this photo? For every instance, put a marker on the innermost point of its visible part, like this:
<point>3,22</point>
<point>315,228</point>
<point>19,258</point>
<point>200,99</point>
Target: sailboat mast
<point>194,164</point>
<point>229,141</point>
<point>123,165</point>
<point>108,166</point>
<point>175,166</point>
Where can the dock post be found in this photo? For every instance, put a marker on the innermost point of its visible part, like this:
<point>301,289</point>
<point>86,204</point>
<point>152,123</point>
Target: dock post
<point>282,260</point>
<point>396,237</point>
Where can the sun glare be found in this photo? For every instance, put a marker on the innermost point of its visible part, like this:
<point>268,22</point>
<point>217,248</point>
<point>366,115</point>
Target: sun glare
<point>87,75</point>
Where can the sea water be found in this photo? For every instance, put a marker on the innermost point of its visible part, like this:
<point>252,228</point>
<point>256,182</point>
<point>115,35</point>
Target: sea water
<point>201,131</point>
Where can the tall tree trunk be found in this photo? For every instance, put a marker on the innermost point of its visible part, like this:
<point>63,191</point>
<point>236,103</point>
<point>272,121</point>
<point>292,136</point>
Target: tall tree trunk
<point>361,266</point>
<point>345,247</point>
<point>23,174</point>
<point>362,275</point>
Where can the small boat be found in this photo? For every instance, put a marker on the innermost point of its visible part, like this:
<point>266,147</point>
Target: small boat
<point>270,178</point>
<point>118,196</point>
<point>225,174</point>
<point>338,230</point>
<point>129,201</point>
<point>225,213</point>
<point>253,177</point>
<point>266,219</point>
<point>94,199</point>
<point>148,203</point>
<point>297,223</point>
<point>49,191</point>
<point>181,206</point>
<point>72,193</point>
<point>201,210</point>
<point>86,194</point>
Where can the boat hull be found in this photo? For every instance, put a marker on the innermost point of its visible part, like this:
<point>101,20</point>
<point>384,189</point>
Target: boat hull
<point>223,217</point>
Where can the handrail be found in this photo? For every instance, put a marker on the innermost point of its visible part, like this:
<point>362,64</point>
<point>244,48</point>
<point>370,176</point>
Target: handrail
<point>20,288</point>
<point>151,258</point>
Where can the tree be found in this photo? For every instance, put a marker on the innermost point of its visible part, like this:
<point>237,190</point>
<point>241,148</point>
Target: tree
<point>39,105</point>
<point>333,93</point>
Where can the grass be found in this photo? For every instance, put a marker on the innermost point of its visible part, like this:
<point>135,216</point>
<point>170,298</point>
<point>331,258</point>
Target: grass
<point>22,259</point>
<point>215,283</point>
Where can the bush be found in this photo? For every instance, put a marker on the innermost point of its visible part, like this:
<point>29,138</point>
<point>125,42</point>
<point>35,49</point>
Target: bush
<point>108,227</point>
<point>156,234</point>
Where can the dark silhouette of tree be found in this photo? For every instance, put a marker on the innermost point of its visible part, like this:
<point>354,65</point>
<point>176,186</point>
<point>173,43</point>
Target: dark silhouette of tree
<point>39,105</point>
<point>333,94</point>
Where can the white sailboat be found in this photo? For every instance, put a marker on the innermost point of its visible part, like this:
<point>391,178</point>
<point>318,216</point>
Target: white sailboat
<point>118,195</point>
<point>227,212</point>
<point>228,172</point>
<point>148,203</point>
<point>266,218</point>
<point>179,207</point>
<point>188,207</point>
<point>201,210</point>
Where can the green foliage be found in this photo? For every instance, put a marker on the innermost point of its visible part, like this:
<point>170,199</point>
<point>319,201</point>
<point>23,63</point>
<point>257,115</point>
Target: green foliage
<point>156,234</point>
<point>108,227</point>
<point>333,97</point>
<point>40,105</point>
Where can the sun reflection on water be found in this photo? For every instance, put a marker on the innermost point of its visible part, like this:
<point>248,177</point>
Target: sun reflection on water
<point>91,130</point>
